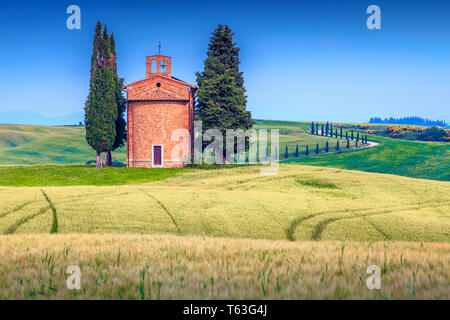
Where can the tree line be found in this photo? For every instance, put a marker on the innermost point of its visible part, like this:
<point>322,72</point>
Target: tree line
<point>418,121</point>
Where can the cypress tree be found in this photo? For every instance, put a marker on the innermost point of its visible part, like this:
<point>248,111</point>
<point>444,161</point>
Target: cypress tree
<point>101,108</point>
<point>335,134</point>
<point>317,148</point>
<point>357,136</point>
<point>326,147</point>
<point>317,129</point>
<point>286,153</point>
<point>307,150</point>
<point>221,99</point>
<point>327,127</point>
<point>348,143</point>
<point>341,131</point>
<point>121,103</point>
<point>337,145</point>
<point>296,152</point>
<point>331,129</point>
<point>352,134</point>
<point>312,127</point>
<point>346,135</point>
<point>322,130</point>
<point>356,143</point>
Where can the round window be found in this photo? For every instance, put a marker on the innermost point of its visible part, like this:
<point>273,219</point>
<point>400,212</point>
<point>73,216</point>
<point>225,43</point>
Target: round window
<point>158,84</point>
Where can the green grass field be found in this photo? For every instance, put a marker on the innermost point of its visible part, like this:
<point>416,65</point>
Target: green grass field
<point>427,160</point>
<point>80,175</point>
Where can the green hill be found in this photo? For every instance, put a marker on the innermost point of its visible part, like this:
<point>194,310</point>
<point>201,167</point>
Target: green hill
<point>417,159</point>
<point>22,144</point>
<point>298,203</point>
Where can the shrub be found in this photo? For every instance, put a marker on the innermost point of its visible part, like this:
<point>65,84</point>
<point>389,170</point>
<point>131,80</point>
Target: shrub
<point>433,134</point>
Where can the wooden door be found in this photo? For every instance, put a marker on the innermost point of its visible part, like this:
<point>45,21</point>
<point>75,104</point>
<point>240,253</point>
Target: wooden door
<point>157,155</point>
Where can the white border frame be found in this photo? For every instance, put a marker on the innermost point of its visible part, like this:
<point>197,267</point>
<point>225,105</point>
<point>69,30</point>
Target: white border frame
<point>153,156</point>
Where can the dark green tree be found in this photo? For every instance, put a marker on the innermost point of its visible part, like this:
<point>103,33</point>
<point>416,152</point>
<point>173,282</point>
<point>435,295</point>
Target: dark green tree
<point>286,153</point>
<point>352,134</point>
<point>357,136</point>
<point>326,147</point>
<point>312,127</point>
<point>317,148</point>
<point>327,127</point>
<point>331,129</point>
<point>101,108</point>
<point>322,130</point>
<point>317,129</point>
<point>337,145</point>
<point>335,134</point>
<point>296,152</point>
<point>121,102</point>
<point>221,100</point>
<point>341,131</point>
<point>307,150</point>
<point>346,135</point>
<point>348,143</point>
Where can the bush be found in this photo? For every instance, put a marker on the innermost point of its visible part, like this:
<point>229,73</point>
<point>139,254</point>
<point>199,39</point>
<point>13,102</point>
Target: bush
<point>433,134</point>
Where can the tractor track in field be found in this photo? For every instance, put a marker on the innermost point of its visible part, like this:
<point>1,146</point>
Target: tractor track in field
<point>385,235</point>
<point>17,208</point>
<point>318,229</point>
<point>24,220</point>
<point>165,209</point>
<point>55,216</point>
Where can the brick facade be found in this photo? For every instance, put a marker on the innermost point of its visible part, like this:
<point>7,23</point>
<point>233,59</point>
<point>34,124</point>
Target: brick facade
<point>157,106</point>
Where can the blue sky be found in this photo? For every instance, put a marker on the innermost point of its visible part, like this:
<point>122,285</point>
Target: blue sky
<point>302,60</point>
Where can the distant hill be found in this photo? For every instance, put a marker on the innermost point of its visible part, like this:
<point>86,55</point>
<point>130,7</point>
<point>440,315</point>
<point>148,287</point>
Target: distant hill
<point>24,144</point>
<point>32,118</point>
<point>417,121</point>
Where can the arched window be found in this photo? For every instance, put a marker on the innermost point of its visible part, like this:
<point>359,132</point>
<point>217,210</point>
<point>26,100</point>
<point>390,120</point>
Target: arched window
<point>162,66</point>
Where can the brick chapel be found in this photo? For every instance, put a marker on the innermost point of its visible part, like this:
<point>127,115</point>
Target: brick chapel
<point>158,105</point>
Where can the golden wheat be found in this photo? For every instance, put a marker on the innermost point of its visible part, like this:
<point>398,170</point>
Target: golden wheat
<point>180,267</point>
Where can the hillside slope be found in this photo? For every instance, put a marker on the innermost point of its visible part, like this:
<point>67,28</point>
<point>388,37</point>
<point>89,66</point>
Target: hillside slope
<point>298,203</point>
<point>22,144</point>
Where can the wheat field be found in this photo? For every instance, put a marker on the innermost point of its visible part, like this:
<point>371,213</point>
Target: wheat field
<point>298,203</point>
<point>193,267</point>
<point>304,233</point>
